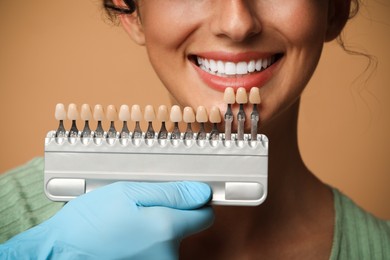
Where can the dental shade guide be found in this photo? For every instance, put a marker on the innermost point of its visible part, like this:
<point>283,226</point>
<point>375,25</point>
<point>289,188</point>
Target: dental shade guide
<point>60,115</point>
<point>176,117</point>
<point>112,116</point>
<point>234,165</point>
<point>136,116</point>
<point>215,119</point>
<point>201,118</point>
<point>241,99</point>
<point>98,115</point>
<point>162,116</point>
<point>189,119</point>
<point>73,115</point>
<point>149,116</point>
<point>229,98</point>
<point>124,116</point>
<point>86,116</point>
<point>254,99</point>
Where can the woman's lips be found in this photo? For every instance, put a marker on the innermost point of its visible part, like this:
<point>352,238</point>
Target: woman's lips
<point>220,70</point>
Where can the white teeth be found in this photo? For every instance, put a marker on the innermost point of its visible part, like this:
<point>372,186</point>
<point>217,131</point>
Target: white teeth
<point>221,67</point>
<point>265,63</point>
<point>206,64</point>
<point>213,66</point>
<point>242,68</point>
<point>251,66</point>
<point>258,65</point>
<point>231,68</point>
<point>199,60</point>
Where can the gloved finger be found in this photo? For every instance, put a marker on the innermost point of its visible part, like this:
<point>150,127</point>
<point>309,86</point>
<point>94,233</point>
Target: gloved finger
<point>178,195</point>
<point>178,223</point>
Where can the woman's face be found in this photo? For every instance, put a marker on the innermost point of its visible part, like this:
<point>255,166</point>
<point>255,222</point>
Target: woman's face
<point>231,38</point>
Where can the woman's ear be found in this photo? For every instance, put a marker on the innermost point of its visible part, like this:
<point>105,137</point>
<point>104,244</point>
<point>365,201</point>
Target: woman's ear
<point>132,24</point>
<point>337,17</point>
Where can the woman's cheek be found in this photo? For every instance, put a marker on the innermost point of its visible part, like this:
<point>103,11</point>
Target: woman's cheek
<point>302,22</point>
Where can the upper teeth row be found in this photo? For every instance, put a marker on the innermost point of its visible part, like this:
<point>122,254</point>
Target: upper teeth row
<point>232,68</point>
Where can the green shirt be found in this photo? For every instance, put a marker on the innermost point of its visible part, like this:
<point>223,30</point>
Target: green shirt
<point>23,204</point>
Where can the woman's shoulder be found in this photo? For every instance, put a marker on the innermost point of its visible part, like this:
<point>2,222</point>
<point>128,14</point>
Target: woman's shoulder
<point>23,202</point>
<point>358,234</point>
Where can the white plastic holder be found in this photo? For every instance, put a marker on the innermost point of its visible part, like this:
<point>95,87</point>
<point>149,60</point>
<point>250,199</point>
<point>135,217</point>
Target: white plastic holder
<point>237,171</point>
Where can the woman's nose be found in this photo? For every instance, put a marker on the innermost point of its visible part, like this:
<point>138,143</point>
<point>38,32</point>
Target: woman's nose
<point>235,19</point>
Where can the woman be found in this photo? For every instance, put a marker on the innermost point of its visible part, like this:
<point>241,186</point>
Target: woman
<point>301,218</point>
<point>298,215</point>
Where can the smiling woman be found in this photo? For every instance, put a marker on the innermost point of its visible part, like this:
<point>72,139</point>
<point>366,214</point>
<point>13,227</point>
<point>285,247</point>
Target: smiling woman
<point>198,49</point>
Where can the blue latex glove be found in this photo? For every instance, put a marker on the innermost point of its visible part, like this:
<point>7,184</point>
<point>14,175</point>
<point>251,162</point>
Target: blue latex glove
<point>125,220</point>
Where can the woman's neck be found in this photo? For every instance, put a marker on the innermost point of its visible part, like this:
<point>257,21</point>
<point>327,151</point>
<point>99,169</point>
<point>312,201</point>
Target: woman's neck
<point>296,200</point>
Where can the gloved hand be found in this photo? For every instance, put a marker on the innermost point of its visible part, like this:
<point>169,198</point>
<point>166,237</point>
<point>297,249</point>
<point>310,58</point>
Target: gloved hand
<point>126,220</point>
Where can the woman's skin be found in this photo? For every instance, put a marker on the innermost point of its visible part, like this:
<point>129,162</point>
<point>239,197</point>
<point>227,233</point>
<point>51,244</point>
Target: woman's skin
<point>297,219</point>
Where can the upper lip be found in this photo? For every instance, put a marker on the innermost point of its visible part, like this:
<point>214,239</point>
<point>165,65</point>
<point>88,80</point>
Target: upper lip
<point>234,57</point>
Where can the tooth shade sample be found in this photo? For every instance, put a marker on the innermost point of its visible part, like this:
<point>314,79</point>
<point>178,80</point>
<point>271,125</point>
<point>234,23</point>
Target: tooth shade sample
<point>162,113</point>
<point>229,97</point>
<point>60,113</point>
<point>112,114</point>
<point>175,115</point>
<point>73,114</point>
<point>98,113</point>
<point>254,96</point>
<point>86,113</point>
<point>241,96</point>
<point>149,114</point>
<point>201,114</point>
<point>136,114</point>
<point>124,113</point>
<point>215,115</point>
<point>188,115</point>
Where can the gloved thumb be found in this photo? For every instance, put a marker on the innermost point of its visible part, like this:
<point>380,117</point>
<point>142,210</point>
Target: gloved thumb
<point>182,196</point>
<point>177,195</point>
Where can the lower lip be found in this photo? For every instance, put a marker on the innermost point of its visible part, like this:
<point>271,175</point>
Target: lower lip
<point>249,81</point>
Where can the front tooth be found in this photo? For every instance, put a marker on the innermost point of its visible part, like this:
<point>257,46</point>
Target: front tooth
<point>230,68</point>
<point>221,67</point>
<point>258,65</point>
<point>242,68</point>
<point>213,66</point>
<point>251,66</point>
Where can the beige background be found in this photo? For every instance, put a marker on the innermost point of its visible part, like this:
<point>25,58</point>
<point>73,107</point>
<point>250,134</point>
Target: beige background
<point>65,51</point>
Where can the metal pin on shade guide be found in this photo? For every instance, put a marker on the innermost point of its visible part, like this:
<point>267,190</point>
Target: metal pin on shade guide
<point>124,116</point>
<point>86,116</point>
<point>241,99</point>
<point>215,119</point>
<point>176,117</point>
<point>112,116</point>
<point>60,115</point>
<point>149,116</point>
<point>136,116</point>
<point>98,115</point>
<point>189,118</point>
<point>201,118</point>
<point>73,115</point>
<point>162,115</point>
<point>254,99</point>
<point>229,99</point>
